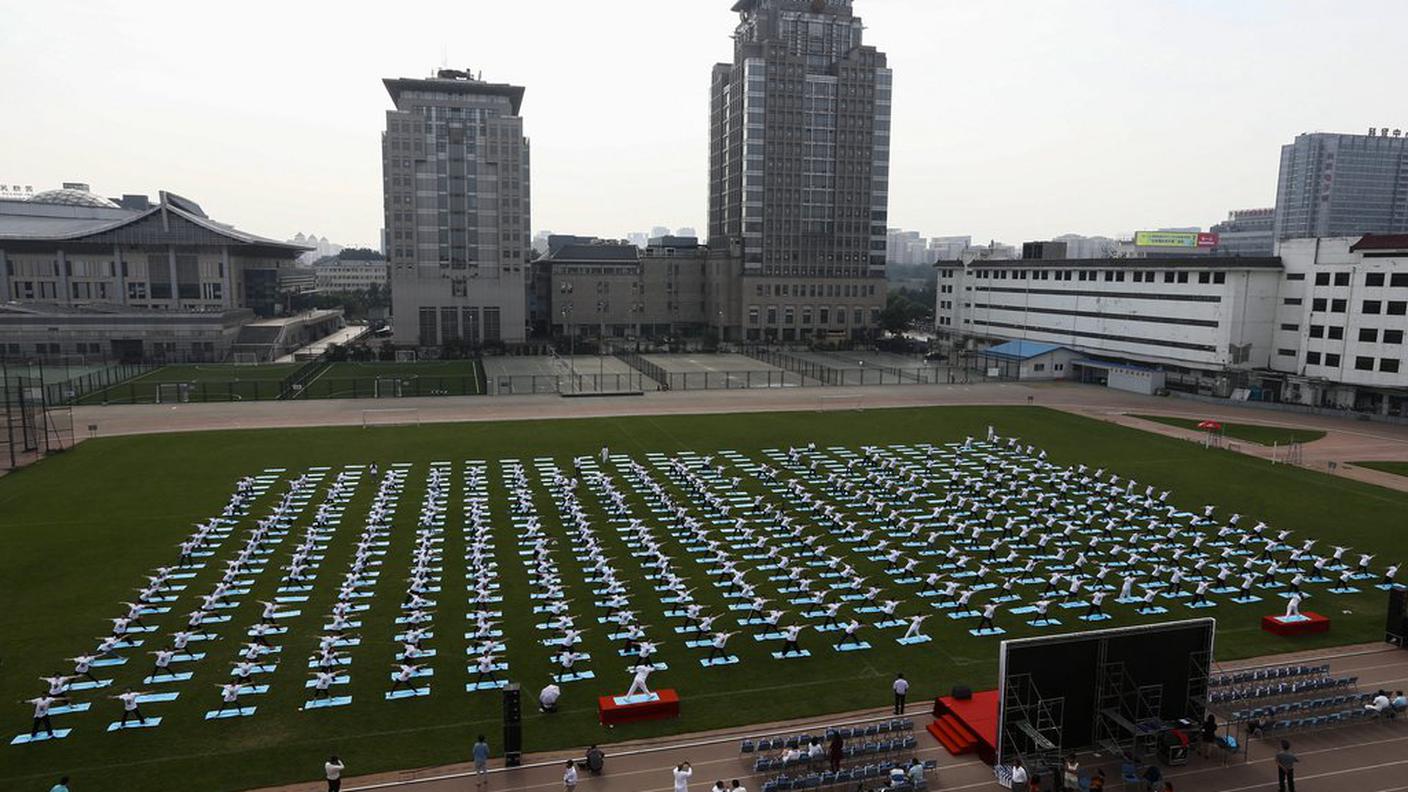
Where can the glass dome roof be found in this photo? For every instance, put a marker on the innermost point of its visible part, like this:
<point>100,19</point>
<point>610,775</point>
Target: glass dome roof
<point>72,198</point>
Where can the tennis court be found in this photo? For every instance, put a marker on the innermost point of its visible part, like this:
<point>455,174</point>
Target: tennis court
<point>874,368</point>
<point>722,371</point>
<point>387,379</point>
<point>562,374</point>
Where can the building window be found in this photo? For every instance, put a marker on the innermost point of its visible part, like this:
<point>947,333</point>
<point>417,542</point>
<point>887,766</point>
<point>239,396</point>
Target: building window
<point>1038,367</point>
<point>1393,336</point>
<point>1388,365</point>
<point>449,324</point>
<point>1286,352</point>
<point>1368,335</point>
<point>1312,358</point>
<point>1317,331</point>
<point>1291,301</point>
<point>1182,277</point>
<point>1341,278</point>
<point>1338,306</point>
<point>492,330</point>
<point>1296,276</point>
<point>753,314</point>
<point>1219,277</point>
<point>1332,360</point>
<point>1204,277</point>
<point>1289,327</point>
<point>1372,306</point>
<point>1319,304</point>
<point>427,327</point>
<point>1397,308</point>
<point>1374,279</point>
<point>1336,333</point>
<point>1398,279</point>
<point>1322,279</point>
<point>1363,364</point>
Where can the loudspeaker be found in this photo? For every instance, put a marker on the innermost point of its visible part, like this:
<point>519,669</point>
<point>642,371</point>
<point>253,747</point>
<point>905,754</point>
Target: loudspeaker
<point>1397,625</point>
<point>962,692</point>
<point>513,726</point>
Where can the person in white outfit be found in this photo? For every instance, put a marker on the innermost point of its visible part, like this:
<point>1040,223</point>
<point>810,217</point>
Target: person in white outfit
<point>682,773</point>
<point>642,672</point>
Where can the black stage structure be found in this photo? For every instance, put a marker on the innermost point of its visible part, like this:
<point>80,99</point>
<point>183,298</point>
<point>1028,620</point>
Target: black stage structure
<point>1127,691</point>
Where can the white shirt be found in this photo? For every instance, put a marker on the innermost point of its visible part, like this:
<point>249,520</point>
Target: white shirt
<point>570,776</point>
<point>129,701</point>
<point>682,779</point>
<point>333,771</point>
<point>901,687</point>
<point>1019,776</point>
<point>550,695</point>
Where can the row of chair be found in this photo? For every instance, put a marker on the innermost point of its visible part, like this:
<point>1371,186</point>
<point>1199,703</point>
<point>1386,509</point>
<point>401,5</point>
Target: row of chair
<point>761,744</point>
<point>766,764</point>
<point>858,776</point>
<point>1284,708</point>
<point>1283,689</point>
<point>1320,721</point>
<point>1266,674</point>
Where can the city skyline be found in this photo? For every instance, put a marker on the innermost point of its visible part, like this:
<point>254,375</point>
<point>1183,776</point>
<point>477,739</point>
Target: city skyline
<point>1188,127</point>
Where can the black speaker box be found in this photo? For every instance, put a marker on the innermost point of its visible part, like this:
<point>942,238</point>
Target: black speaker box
<point>962,692</point>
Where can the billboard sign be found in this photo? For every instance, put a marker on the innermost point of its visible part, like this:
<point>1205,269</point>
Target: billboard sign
<point>1175,239</point>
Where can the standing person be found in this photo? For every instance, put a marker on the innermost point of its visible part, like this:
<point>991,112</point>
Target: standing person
<point>62,786</point>
<point>682,772</point>
<point>1286,767</point>
<point>837,752</point>
<point>569,775</point>
<point>1209,734</point>
<point>1019,777</point>
<point>130,708</point>
<point>481,761</point>
<point>332,769</point>
<point>901,688</point>
<point>42,704</point>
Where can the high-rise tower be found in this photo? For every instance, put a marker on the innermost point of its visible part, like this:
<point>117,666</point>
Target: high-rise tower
<point>799,161</point>
<point>456,200</point>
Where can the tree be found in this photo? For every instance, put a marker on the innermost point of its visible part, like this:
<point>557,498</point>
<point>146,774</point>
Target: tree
<point>900,314</point>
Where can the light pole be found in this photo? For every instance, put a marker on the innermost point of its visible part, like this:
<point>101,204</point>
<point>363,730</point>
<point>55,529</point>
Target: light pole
<point>571,336</point>
<point>601,341</point>
<point>636,310</point>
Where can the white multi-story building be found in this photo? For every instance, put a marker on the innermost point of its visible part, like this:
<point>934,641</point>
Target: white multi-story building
<point>1341,321</point>
<point>1322,324</point>
<point>1199,317</point>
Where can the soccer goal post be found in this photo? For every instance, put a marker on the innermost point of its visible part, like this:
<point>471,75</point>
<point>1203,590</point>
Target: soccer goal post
<point>387,387</point>
<point>409,416</point>
<point>405,356</point>
<point>246,358</point>
<point>834,403</point>
<point>173,393</point>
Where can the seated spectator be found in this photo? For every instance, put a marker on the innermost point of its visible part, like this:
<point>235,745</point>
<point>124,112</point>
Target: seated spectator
<point>791,755</point>
<point>1381,704</point>
<point>1019,776</point>
<point>897,776</point>
<point>916,771</point>
<point>719,786</point>
<point>814,749</point>
<point>1400,703</point>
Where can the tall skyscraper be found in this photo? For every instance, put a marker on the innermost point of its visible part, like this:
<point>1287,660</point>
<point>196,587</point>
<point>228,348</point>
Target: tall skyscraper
<point>1342,185</point>
<point>455,182</point>
<point>799,161</point>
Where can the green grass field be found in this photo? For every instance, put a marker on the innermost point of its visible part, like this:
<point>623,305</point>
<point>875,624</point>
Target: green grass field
<point>1252,433</point>
<point>208,382</point>
<point>421,378</point>
<point>1396,468</point>
<point>83,527</point>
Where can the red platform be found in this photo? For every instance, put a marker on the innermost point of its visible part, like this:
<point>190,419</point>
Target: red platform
<point>965,727</point>
<point>1313,624</point>
<point>610,713</point>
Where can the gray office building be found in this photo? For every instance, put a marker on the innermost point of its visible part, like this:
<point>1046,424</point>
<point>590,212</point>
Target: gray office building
<point>1342,185</point>
<point>455,176</point>
<point>1246,232</point>
<point>799,161</point>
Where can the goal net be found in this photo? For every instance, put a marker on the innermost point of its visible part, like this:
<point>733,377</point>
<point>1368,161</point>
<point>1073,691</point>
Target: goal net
<point>835,403</point>
<point>409,416</point>
<point>246,358</point>
<point>173,393</point>
<point>387,387</point>
<point>405,356</point>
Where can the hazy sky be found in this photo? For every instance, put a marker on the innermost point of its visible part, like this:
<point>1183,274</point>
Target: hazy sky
<point>1014,119</point>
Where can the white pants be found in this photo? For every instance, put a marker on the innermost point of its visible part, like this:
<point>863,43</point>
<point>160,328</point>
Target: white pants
<point>1292,609</point>
<point>912,631</point>
<point>638,686</point>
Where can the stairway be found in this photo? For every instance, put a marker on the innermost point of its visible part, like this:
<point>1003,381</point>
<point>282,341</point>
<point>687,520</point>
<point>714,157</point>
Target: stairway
<point>953,735</point>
